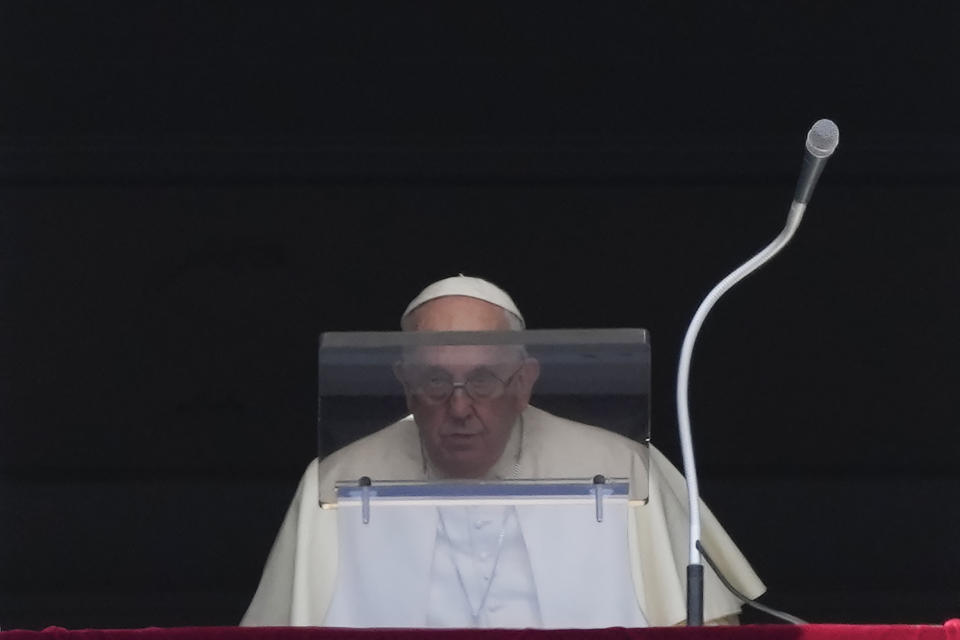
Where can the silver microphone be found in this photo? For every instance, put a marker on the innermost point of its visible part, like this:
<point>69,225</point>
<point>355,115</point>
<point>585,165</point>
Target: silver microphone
<point>822,141</point>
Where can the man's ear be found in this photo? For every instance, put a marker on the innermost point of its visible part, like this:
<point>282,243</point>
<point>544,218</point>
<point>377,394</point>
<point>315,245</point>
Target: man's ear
<point>398,373</point>
<point>526,378</point>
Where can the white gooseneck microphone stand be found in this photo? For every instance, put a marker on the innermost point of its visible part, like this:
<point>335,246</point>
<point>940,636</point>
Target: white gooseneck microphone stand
<point>822,140</point>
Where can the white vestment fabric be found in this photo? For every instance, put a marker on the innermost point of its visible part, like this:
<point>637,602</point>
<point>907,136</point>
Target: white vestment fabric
<point>300,578</point>
<point>480,574</point>
<point>494,575</point>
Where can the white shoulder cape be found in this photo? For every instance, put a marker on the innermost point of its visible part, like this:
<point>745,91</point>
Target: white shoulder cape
<point>299,579</point>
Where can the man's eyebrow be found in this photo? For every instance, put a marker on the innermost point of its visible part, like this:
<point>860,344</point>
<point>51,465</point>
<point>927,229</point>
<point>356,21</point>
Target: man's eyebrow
<point>422,367</point>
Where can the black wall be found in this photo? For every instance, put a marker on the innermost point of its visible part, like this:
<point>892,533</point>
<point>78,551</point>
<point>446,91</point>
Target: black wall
<point>191,194</point>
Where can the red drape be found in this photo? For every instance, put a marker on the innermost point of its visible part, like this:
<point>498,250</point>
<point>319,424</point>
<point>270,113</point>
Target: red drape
<point>949,631</point>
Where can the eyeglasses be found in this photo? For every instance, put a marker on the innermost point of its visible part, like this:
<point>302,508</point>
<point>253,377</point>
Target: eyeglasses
<point>435,386</point>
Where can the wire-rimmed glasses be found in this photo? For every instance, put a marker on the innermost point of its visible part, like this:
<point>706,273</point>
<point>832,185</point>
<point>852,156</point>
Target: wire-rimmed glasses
<point>435,385</point>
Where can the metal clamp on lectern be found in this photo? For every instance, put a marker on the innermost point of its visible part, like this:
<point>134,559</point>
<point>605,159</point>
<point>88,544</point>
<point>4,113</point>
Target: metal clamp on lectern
<point>365,491</point>
<point>561,491</point>
<point>600,489</point>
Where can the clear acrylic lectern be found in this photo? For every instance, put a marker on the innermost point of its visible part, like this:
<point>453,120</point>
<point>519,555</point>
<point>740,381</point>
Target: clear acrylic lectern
<point>484,478</point>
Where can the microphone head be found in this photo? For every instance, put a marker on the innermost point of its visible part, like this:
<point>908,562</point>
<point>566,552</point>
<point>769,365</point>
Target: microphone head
<point>823,138</point>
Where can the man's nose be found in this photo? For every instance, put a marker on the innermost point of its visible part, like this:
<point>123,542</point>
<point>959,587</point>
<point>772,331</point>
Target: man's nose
<point>461,404</point>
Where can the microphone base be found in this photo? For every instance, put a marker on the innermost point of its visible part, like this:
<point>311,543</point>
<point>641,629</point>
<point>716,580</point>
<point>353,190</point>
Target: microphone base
<point>695,595</point>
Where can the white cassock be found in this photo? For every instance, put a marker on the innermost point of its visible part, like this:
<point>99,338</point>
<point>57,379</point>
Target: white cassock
<point>499,566</point>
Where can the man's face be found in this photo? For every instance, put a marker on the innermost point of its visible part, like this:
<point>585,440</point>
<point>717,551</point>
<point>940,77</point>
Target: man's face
<point>465,399</point>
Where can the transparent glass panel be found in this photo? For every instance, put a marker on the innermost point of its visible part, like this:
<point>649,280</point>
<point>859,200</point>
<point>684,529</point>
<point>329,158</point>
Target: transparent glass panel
<point>509,554</point>
<point>540,404</point>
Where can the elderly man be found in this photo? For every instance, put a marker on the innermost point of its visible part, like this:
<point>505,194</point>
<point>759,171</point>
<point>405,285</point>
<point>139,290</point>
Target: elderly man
<point>472,419</point>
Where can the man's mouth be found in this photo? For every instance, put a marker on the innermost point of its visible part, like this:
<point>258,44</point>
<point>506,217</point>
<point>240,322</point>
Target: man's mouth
<point>461,439</point>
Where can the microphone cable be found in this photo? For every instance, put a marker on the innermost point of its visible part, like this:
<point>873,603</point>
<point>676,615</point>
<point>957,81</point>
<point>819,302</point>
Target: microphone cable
<point>776,613</point>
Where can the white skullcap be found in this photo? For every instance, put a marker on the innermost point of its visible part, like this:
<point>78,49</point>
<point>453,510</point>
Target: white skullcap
<point>462,285</point>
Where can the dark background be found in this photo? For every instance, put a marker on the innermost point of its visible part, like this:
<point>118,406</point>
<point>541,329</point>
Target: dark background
<point>191,192</point>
